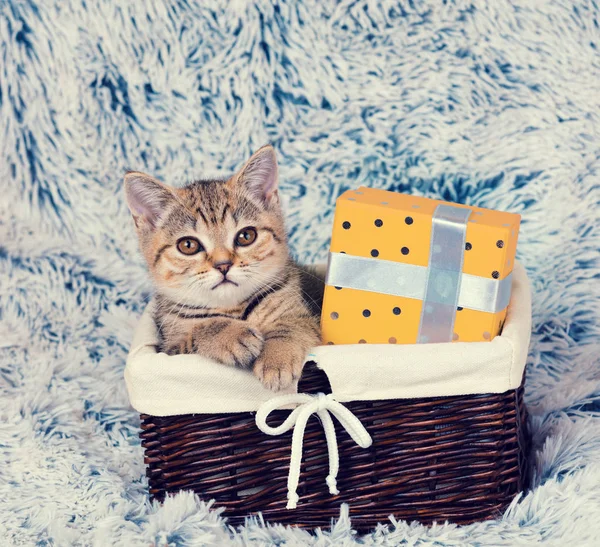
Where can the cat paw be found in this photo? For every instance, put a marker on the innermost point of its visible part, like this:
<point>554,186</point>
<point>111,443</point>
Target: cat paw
<point>279,365</point>
<point>242,346</point>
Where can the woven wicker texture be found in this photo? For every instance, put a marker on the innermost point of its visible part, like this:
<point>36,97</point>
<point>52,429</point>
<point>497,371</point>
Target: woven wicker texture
<point>460,459</point>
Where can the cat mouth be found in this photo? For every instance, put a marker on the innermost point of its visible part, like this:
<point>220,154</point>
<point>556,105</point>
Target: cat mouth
<point>224,281</point>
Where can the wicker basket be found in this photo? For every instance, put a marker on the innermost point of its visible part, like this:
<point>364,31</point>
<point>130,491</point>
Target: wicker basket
<point>460,458</point>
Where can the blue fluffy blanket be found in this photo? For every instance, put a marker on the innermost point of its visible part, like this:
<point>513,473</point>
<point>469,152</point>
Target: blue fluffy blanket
<point>489,102</point>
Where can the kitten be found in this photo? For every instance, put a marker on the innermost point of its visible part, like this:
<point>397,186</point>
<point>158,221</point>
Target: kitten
<point>225,284</point>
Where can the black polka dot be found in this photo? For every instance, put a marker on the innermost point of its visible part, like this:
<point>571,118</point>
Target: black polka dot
<point>366,313</point>
<point>404,250</point>
<point>408,220</point>
<point>342,252</point>
<point>361,341</point>
<point>495,274</point>
<point>468,246</point>
<point>346,225</point>
<point>379,223</point>
<point>330,343</point>
<point>374,253</point>
<point>459,309</point>
<point>499,244</point>
<point>338,288</point>
<point>396,311</point>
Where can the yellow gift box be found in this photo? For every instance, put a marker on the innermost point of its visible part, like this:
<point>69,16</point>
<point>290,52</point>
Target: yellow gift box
<point>407,269</point>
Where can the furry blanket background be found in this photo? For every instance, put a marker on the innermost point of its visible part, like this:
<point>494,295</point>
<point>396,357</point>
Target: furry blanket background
<point>488,102</point>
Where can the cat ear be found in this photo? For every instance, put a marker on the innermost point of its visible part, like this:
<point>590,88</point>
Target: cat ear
<point>147,198</point>
<point>260,175</point>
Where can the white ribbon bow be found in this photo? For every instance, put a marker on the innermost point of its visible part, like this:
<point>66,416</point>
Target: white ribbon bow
<point>322,405</point>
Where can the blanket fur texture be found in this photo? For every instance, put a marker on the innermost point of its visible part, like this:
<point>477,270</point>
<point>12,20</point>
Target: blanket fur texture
<point>487,102</point>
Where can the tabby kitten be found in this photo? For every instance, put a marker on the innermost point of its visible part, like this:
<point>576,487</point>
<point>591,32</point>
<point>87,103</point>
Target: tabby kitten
<point>226,287</point>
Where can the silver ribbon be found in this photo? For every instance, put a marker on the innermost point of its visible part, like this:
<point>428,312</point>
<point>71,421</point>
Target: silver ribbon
<point>446,252</point>
<point>442,286</point>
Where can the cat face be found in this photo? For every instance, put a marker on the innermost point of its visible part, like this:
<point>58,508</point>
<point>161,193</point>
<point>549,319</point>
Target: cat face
<point>212,243</point>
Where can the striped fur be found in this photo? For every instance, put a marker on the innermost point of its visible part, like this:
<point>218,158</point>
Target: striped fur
<point>253,315</point>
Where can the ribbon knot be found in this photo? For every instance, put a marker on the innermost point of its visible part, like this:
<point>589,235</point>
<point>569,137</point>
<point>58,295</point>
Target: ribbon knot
<point>322,401</point>
<point>307,405</point>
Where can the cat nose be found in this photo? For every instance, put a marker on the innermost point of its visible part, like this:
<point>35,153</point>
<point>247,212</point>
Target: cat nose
<point>223,266</point>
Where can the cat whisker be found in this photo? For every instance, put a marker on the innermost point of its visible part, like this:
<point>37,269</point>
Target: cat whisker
<point>269,279</point>
<point>190,290</point>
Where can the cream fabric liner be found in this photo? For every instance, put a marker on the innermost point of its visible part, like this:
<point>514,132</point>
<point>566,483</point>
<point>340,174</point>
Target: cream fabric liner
<point>163,385</point>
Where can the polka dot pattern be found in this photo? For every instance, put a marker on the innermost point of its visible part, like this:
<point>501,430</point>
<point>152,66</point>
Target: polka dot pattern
<point>397,228</point>
<point>366,313</point>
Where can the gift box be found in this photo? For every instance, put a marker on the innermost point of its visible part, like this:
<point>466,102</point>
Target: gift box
<point>406,269</point>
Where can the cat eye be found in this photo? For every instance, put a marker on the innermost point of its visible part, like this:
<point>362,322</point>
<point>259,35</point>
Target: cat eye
<point>245,237</point>
<point>189,246</point>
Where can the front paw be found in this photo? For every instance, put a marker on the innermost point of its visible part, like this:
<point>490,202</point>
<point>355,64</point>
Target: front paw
<point>279,364</point>
<point>241,346</point>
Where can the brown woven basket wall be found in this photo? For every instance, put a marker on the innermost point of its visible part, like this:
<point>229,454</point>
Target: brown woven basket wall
<point>460,459</point>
